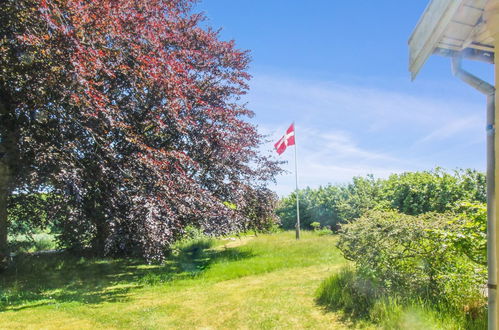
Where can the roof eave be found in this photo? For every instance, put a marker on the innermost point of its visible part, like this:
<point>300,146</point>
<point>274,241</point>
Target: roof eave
<point>428,32</point>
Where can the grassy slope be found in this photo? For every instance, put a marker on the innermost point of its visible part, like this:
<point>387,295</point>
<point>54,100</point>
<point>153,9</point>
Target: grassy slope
<point>266,282</point>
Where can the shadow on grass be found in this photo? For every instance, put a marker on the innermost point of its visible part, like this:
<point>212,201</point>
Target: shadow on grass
<point>37,280</point>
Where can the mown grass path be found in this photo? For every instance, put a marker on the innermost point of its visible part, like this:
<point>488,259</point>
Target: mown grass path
<point>265,282</point>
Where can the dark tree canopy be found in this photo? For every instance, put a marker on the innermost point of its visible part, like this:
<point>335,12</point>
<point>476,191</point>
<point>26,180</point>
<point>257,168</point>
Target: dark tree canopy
<point>128,114</point>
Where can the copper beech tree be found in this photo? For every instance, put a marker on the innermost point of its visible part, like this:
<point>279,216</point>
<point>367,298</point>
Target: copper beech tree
<point>127,115</point>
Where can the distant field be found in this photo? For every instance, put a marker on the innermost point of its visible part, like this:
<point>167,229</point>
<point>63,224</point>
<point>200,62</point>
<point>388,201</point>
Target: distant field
<point>267,281</point>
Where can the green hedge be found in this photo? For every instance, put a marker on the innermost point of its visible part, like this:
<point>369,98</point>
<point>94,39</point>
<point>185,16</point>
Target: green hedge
<point>410,193</point>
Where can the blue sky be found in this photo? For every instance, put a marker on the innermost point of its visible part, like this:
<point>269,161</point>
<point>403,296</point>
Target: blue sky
<point>339,70</point>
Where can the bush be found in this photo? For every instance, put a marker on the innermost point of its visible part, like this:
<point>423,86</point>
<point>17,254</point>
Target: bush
<point>315,225</point>
<point>324,231</point>
<point>471,236</point>
<point>434,191</point>
<point>416,256</point>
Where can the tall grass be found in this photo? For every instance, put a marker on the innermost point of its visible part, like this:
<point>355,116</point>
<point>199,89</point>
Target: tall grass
<point>361,302</point>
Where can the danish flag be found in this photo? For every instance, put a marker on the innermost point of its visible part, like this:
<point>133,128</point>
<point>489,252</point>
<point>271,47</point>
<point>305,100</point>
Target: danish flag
<point>287,140</point>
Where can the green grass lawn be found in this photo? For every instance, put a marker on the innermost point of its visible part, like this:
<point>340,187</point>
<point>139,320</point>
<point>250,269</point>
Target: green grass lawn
<point>267,281</point>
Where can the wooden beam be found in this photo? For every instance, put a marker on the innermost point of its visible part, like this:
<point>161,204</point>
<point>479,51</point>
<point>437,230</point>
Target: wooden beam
<point>429,31</point>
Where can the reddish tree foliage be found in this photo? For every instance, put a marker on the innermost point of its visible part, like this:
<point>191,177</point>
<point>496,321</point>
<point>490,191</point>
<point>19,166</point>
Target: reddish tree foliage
<point>127,111</point>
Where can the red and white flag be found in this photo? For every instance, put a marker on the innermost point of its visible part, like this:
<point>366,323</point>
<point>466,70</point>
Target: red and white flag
<point>287,140</point>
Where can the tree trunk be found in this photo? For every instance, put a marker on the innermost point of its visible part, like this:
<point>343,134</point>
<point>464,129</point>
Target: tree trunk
<point>99,245</point>
<point>4,198</point>
<point>9,154</point>
<point>99,241</point>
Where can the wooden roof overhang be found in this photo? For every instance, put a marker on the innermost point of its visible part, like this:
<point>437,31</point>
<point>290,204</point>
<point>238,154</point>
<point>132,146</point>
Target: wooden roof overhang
<point>448,27</point>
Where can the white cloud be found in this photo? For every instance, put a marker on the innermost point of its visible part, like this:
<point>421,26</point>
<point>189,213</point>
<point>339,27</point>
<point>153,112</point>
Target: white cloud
<point>347,130</point>
<point>328,157</point>
<point>453,128</point>
<point>343,146</point>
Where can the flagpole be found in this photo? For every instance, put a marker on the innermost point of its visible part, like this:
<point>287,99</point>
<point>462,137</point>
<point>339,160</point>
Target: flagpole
<point>297,198</point>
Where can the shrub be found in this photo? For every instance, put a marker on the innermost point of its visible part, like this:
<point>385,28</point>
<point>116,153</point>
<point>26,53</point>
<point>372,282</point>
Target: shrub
<point>415,256</point>
<point>324,231</point>
<point>471,236</point>
<point>315,225</point>
<point>434,191</point>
